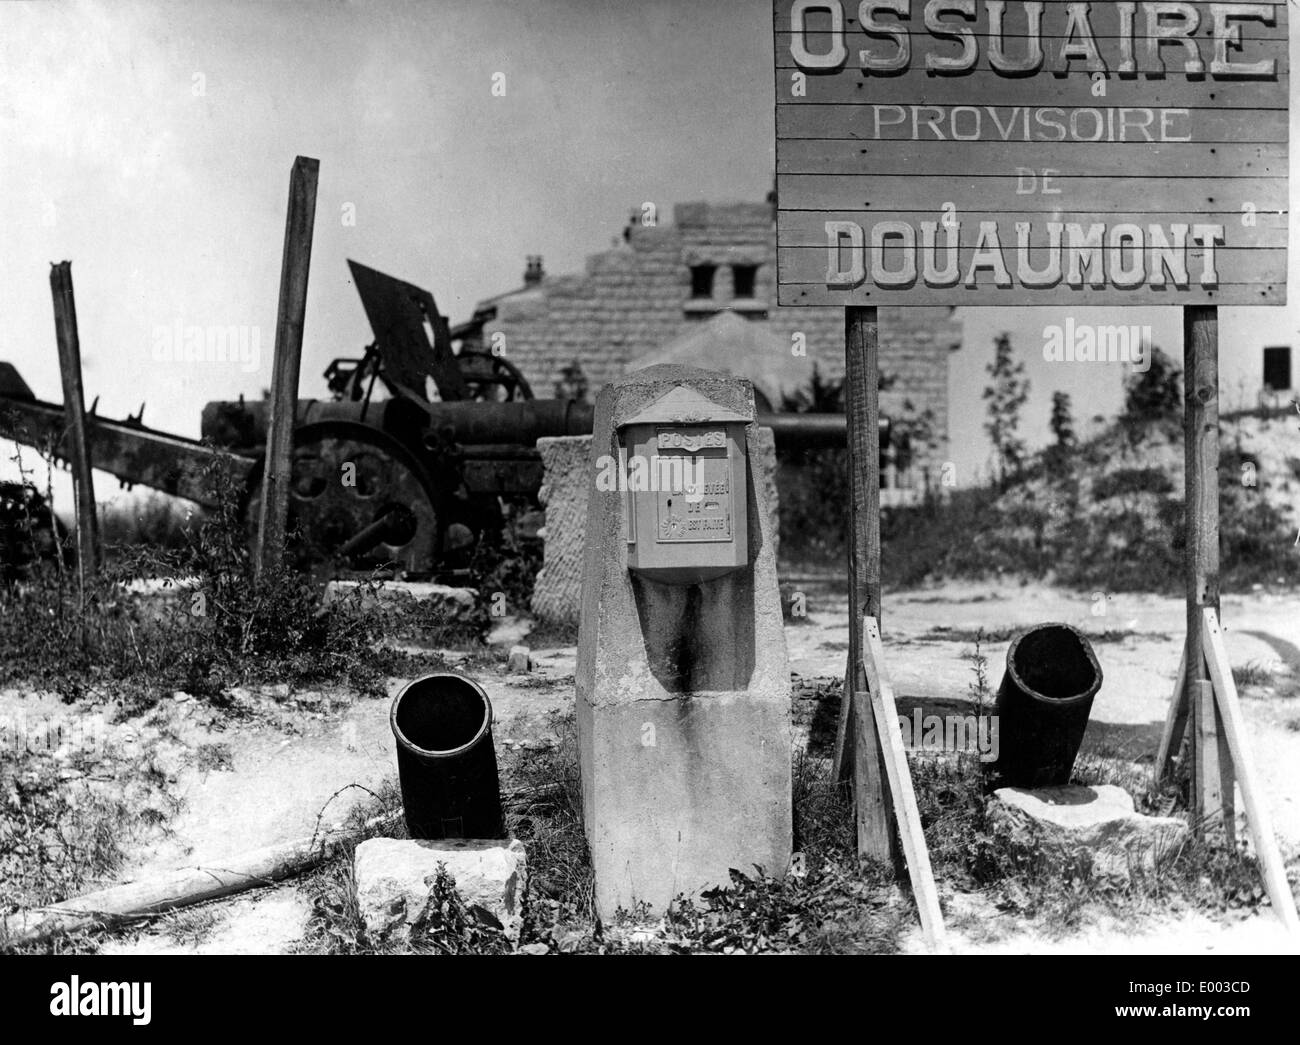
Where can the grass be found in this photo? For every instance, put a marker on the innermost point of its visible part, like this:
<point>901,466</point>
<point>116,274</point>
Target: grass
<point>213,758</point>
<point>57,839</point>
<point>548,635</point>
<point>212,627</point>
<point>1252,673</point>
<point>191,925</point>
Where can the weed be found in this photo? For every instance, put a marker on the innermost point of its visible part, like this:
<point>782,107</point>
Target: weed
<point>830,910</point>
<point>447,925</point>
<point>547,818</point>
<point>213,758</point>
<point>823,812</point>
<point>548,635</point>
<point>334,925</point>
<point>56,840</point>
<point>1252,673</point>
<point>189,926</point>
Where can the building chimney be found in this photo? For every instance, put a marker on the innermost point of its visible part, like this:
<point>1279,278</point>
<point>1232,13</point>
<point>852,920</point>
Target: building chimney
<point>533,272</point>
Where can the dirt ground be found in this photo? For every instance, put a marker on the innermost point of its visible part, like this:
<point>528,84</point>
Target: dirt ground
<point>276,776</point>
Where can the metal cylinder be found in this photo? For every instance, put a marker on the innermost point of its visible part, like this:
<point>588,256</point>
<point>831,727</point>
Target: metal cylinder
<point>1043,705</point>
<point>446,763</point>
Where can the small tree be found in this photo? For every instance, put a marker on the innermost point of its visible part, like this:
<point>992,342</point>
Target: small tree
<point>1063,422</point>
<point>1006,396</point>
<point>1156,394</point>
<point>1059,457</point>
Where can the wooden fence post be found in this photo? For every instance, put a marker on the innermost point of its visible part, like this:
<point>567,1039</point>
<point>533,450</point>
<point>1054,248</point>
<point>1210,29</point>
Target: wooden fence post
<point>74,408</point>
<point>294,268</point>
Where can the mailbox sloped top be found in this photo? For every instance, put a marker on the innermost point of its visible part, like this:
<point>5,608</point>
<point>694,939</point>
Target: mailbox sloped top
<point>682,405</point>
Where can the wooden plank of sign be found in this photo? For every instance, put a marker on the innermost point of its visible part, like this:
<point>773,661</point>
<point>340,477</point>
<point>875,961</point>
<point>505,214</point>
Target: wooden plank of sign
<point>798,295</point>
<point>1103,19</point>
<point>999,192</point>
<point>1249,227</point>
<point>916,86</point>
<point>1212,126</point>
<point>1176,159</point>
<point>1247,264</point>
<point>918,76</point>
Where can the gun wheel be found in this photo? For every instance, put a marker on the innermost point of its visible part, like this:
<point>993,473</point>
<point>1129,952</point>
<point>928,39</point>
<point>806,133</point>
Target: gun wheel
<point>358,501</point>
<point>30,533</point>
<point>491,378</point>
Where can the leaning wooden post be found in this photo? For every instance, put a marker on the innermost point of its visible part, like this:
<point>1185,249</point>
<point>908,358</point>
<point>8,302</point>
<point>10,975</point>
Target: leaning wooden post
<point>1211,763</point>
<point>294,267</point>
<point>874,812</point>
<point>74,408</point>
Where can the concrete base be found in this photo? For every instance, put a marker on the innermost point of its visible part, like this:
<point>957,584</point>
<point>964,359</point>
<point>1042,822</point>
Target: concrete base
<point>683,692</point>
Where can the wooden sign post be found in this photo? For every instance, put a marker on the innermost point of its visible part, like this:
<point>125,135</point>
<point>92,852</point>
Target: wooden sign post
<point>993,153</point>
<point>875,816</point>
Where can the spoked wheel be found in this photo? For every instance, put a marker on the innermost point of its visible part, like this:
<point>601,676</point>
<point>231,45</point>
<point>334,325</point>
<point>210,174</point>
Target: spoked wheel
<point>30,533</point>
<point>492,378</point>
<point>358,500</point>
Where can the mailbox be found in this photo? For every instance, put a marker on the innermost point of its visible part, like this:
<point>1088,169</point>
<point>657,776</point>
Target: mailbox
<point>686,479</point>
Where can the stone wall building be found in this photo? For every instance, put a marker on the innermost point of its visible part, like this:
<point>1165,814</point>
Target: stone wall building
<point>665,278</point>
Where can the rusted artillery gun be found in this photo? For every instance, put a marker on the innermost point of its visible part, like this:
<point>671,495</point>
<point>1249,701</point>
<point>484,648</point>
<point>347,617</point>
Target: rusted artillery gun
<point>411,478</point>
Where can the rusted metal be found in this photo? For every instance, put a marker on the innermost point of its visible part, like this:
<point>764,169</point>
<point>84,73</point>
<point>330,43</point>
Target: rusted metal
<point>1043,705</point>
<point>446,762</point>
<point>398,312</point>
<point>131,452</point>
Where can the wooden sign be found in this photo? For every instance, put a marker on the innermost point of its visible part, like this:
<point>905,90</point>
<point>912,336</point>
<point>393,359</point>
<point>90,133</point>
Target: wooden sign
<point>1031,152</point>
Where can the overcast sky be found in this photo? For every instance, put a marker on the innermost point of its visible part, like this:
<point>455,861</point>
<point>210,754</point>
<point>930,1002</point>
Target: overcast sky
<point>151,144</point>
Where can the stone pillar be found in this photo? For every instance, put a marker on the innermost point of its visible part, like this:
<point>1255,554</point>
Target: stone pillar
<point>557,589</point>
<point>683,691</point>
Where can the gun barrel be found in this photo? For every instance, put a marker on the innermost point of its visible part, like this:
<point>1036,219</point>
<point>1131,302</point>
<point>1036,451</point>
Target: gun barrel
<point>131,452</point>
<point>522,423</point>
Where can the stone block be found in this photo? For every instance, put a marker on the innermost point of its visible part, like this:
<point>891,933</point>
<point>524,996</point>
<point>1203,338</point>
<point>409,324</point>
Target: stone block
<point>457,611</point>
<point>1096,825</point>
<point>557,589</point>
<point>394,877</point>
<point>519,661</point>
